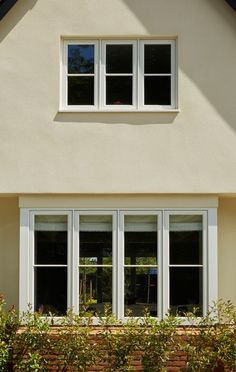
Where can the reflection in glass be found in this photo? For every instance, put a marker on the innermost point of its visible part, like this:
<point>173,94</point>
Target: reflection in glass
<point>157,90</point>
<point>140,291</point>
<point>186,239</point>
<point>157,59</point>
<point>186,290</point>
<point>119,58</point>
<point>50,240</point>
<point>140,240</point>
<point>80,90</point>
<point>95,290</point>
<point>51,290</point>
<point>80,59</point>
<point>95,240</point>
<point>119,90</point>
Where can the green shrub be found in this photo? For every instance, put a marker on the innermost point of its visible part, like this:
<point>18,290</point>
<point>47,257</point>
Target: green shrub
<point>214,343</point>
<point>119,341</point>
<point>157,342</point>
<point>33,343</point>
<point>9,324</point>
<point>74,346</point>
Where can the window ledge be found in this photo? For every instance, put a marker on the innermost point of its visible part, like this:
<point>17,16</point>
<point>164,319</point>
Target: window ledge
<point>168,111</point>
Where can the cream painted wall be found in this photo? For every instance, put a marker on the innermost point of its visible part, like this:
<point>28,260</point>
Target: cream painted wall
<point>227,248</point>
<point>9,249</point>
<point>44,151</point>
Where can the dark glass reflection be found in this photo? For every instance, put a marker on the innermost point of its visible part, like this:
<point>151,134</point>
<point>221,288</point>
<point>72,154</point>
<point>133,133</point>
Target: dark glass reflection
<point>140,240</point>
<point>157,90</point>
<point>186,290</point>
<point>95,290</point>
<point>140,291</point>
<point>140,248</point>
<point>80,90</point>
<point>186,239</point>
<point>95,248</point>
<point>157,59</point>
<point>119,58</point>
<point>95,240</point>
<point>51,247</point>
<point>80,59</point>
<point>119,90</point>
<point>51,290</point>
<point>186,247</point>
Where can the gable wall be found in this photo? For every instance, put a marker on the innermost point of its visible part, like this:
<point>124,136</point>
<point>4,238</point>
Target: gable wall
<point>44,151</point>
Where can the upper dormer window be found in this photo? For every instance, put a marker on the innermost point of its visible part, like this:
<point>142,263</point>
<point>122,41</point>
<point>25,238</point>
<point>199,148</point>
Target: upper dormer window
<point>118,75</point>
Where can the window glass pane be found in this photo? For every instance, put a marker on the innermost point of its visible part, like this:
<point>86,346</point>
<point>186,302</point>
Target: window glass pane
<point>51,290</point>
<point>80,90</point>
<point>119,90</point>
<point>95,290</point>
<point>50,240</point>
<point>119,58</point>
<point>157,90</point>
<point>140,240</point>
<point>186,290</point>
<point>157,59</point>
<point>95,240</point>
<point>80,59</point>
<point>140,291</point>
<point>185,240</point>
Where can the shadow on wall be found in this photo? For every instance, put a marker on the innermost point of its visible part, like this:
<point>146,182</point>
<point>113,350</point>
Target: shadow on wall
<point>208,58</point>
<point>14,16</point>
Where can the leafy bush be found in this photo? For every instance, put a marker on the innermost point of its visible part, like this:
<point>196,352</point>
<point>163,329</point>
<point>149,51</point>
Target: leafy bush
<point>157,342</point>
<point>119,341</point>
<point>33,343</point>
<point>74,345</point>
<point>213,344</point>
<point>29,342</point>
<point>9,324</point>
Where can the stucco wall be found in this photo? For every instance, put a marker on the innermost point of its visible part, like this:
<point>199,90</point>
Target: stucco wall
<point>227,248</point>
<point>9,249</point>
<point>192,151</point>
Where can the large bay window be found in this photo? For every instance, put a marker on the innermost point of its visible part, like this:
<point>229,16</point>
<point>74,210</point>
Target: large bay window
<point>129,260</point>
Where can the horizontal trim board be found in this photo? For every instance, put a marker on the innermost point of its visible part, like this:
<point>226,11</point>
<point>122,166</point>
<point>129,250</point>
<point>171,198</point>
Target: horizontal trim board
<point>88,201</point>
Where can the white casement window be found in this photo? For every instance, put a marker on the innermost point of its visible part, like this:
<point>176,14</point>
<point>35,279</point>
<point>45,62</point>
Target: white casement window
<point>129,260</point>
<point>118,75</point>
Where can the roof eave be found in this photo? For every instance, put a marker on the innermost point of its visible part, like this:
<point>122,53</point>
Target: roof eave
<point>5,6</point>
<point>232,3</point>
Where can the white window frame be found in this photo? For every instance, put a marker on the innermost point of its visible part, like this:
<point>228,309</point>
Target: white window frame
<point>100,76</point>
<point>166,258</point>
<point>121,264</point>
<point>210,272</point>
<point>64,80</point>
<point>172,75</point>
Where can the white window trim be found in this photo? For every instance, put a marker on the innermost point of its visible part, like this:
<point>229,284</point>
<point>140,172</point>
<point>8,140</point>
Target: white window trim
<point>166,259</point>
<point>99,77</point>
<point>122,214</point>
<point>210,272</point>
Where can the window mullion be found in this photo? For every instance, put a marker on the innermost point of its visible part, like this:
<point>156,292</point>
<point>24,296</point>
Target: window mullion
<point>165,261</point>
<point>120,267</point>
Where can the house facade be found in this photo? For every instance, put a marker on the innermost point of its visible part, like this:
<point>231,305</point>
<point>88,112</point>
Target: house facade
<point>118,155</point>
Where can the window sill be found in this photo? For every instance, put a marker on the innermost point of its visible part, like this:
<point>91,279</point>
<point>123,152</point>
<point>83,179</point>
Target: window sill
<point>168,111</point>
